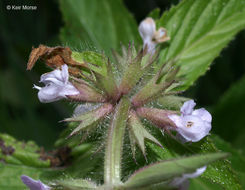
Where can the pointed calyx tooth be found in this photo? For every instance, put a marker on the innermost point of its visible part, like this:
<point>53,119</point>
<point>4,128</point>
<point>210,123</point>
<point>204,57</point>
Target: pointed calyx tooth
<point>149,92</point>
<point>89,118</point>
<point>157,116</point>
<point>108,83</point>
<point>138,133</point>
<point>55,57</point>
<point>132,74</point>
<point>164,81</point>
<point>86,93</point>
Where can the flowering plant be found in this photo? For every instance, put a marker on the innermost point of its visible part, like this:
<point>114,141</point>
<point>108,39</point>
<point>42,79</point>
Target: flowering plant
<point>131,128</point>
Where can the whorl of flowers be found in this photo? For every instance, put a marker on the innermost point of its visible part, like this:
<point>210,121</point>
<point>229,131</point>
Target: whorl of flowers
<point>136,79</point>
<point>142,80</point>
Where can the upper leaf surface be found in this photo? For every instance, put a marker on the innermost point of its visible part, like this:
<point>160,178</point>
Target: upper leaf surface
<point>199,30</point>
<point>165,170</point>
<point>219,172</point>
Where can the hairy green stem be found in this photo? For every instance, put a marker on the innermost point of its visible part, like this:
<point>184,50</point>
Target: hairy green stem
<point>114,146</point>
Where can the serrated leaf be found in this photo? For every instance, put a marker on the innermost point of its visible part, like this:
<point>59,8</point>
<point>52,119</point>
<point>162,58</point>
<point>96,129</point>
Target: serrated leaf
<point>166,170</point>
<point>103,23</point>
<point>199,30</point>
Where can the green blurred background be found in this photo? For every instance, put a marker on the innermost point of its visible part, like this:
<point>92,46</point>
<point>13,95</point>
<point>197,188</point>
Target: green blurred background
<point>221,90</point>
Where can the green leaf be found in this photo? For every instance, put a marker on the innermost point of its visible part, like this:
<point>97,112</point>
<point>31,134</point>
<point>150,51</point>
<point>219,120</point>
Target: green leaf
<point>237,158</point>
<point>199,30</point>
<point>77,184</point>
<point>114,144</point>
<point>166,170</point>
<point>103,23</point>
<point>203,184</point>
<point>155,14</point>
<point>219,172</point>
<point>25,160</point>
<point>227,117</point>
<point>95,61</point>
<point>21,153</point>
<point>10,175</point>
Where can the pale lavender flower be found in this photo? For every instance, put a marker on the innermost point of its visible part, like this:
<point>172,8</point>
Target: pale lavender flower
<point>151,37</point>
<point>147,29</point>
<point>34,184</point>
<point>192,125</point>
<point>57,86</point>
<point>182,183</point>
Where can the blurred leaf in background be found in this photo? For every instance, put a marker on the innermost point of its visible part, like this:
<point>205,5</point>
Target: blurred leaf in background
<point>105,24</point>
<point>21,113</point>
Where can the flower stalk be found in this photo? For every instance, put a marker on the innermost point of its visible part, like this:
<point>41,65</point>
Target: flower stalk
<point>114,145</point>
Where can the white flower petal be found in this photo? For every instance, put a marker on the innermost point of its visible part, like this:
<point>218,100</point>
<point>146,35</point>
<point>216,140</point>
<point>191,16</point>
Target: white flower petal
<point>147,29</point>
<point>37,87</point>
<point>197,173</point>
<point>177,120</point>
<point>182,182</point>
<point>34,184</point>
<point>54,74</point>
<point>150,46</point>
<point>50,94</point>
<point>203,113</point>
<point>68,90</point>
<point>65,73</point>
<point>194,128</point>
<point>192,125</point>
<point>56,87</point>
<point>187,107</point>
